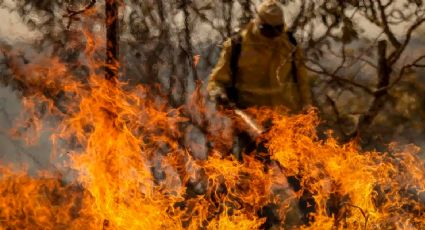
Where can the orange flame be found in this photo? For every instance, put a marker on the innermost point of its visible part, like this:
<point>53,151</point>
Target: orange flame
<point>133,172</point>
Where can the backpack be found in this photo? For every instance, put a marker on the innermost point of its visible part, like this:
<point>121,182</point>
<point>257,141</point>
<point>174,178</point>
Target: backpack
<point>236,48</point>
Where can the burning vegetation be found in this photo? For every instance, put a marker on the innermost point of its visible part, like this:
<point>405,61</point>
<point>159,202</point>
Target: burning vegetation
<point>123,160</point>
<point>131,170</point>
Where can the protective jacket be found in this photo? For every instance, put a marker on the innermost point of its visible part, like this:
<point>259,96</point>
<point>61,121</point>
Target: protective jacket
<point>264,76</point>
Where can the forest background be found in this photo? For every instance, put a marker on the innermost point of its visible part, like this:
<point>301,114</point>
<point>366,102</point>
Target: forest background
<point>367,58</point>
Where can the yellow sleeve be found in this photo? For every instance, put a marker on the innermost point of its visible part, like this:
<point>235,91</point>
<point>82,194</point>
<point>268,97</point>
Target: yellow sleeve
<point>220,77</point>
<point>304,80</point>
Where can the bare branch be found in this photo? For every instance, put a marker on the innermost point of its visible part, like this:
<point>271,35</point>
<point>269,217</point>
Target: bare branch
<point>415,63</point>
<point>325,72</point>
<point>343,59</point>
<point>297,19</point>
<point>72,14</point>
<point>335,110</point>
<point>397,53</point>
<point>370,11</point>
<point>386,26</point>
<point>205,19</point>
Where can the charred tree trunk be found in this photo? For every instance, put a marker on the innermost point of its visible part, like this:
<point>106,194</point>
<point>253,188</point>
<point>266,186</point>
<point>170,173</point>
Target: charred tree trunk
<point>112,39</point>
<point>384,73</point>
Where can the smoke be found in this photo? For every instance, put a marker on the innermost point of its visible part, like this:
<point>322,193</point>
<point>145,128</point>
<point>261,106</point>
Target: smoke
<point>15,150</point>
<point>12,28</point>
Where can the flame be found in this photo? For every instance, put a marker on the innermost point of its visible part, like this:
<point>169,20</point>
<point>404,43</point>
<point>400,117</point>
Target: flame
<point>133,171</point>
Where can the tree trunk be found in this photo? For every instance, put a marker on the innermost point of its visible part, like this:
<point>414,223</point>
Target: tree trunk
<point>112,39</point>
<point>384,73</point>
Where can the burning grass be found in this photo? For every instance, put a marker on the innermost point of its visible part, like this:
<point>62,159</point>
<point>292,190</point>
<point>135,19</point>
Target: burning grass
<point>134,172</point>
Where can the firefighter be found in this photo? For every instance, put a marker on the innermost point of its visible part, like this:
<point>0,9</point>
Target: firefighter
<point>261,65</point>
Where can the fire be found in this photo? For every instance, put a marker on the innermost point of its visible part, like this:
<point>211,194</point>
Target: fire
<point>132,170</point>
<point>370,187</point>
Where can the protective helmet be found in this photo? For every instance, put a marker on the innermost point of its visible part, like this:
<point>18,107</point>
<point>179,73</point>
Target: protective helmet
<point>270,12</point>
